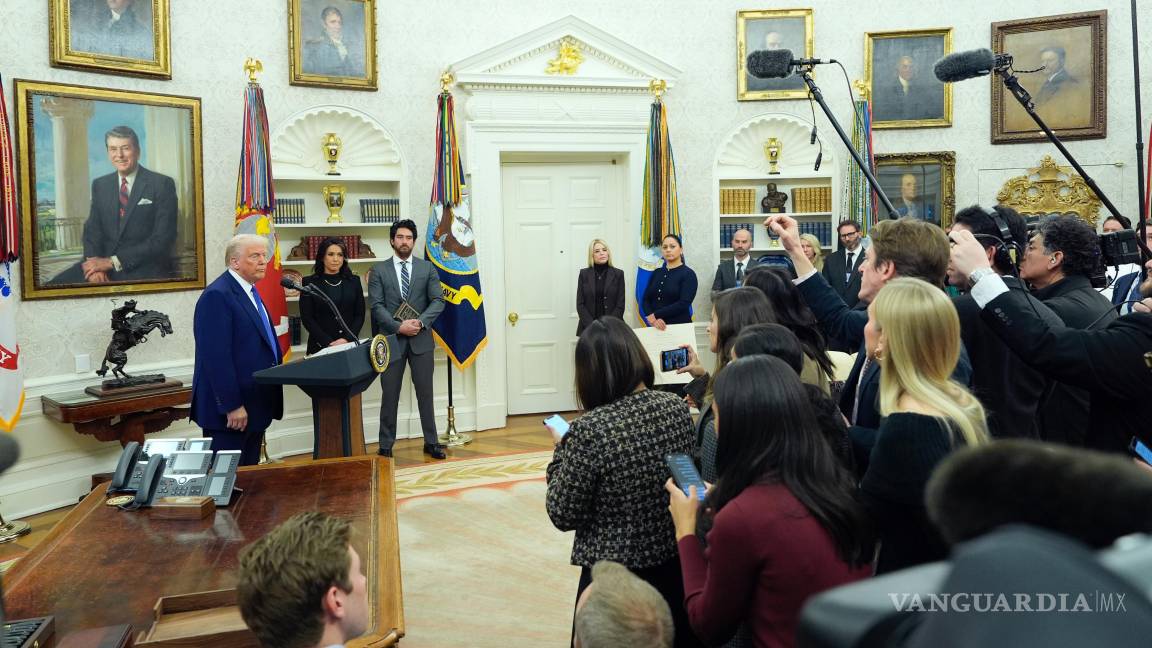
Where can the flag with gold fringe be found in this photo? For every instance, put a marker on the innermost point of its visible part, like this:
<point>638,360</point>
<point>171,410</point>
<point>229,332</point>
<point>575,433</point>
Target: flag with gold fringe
<point>11,373</point>
<point>255,201</point>
<point>450,244</point>
<point>858,200</point>
<point>660,215</point>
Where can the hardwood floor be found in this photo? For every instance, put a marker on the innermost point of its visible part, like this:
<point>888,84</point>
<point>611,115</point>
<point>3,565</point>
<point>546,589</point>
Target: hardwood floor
<point>522,434</point>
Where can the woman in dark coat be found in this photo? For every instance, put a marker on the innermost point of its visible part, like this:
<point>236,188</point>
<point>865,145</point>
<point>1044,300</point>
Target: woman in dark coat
<point>671,289</point>
<point>334,278</point>
<point>600,287</point>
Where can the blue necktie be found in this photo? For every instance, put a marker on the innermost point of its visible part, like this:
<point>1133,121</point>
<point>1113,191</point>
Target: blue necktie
<point>268,332</point>
<point>405,280</point>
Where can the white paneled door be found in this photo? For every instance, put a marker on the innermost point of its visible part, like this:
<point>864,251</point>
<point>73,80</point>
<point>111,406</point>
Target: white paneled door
<point>551,213</point>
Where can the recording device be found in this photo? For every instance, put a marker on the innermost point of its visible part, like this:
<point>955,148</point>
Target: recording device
<point>673,359</point>
<point>684,473</point>
<point>1120,247</point>
<point>1142,451</point>
<point>777,64</point>
<point>962,66</point>
<point>557,424</point>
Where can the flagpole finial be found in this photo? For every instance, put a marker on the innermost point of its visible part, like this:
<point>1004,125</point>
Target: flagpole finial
<point>657,87</point>
<point>253,66</point>
<point>861,89</point>
<point>447,80</point>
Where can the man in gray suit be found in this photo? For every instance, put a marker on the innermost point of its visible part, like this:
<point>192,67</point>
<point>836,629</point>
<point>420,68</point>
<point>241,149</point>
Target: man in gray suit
<point>395,281</point>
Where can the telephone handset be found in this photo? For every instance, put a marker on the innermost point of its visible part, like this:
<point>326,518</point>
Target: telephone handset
<point>152,475</point>
<point>124,467</point>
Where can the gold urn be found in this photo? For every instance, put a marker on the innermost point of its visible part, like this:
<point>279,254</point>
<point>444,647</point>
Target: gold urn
<point>334,201</point>
<point>331,149</point>
<point>772,152</point>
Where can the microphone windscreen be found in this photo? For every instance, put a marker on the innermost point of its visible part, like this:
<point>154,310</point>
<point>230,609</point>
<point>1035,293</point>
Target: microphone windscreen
<point>770,64</point>
<point>9,451</point>
<point>288,283</point>
<point>965,65</point>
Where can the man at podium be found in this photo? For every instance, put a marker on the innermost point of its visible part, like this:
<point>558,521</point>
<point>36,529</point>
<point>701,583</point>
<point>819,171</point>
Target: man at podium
<point>406,299</point>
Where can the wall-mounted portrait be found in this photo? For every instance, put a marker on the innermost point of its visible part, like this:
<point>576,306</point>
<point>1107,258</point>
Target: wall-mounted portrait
<point>1069,89</point>
<point>789,29</point>
<point>112,36</point>
<point>920,185</point>
<point>902,85</point>
<point>111,191</point>
<point>332,43</point>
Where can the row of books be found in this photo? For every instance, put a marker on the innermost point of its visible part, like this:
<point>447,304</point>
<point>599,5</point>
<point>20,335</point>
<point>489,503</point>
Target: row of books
<point>728,230</point>
<point>821,230</point>
<point>812,199</point>
<point>289,211</point>
<point>379,210</point>
<point>738,201</point>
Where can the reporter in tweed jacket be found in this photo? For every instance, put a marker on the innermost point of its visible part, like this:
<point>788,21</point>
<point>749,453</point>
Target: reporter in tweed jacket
<point>605,481</point>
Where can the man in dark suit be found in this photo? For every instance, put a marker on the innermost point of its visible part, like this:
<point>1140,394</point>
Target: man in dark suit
<point>730,273</point>
<point>842,272</point>
<point>912,204</point>
<point>396,281</point>
<point>234,339</point>
<point>131,224</point>
<point>114,30</point>
<point>1110,363</point>
<point>1058,262</point>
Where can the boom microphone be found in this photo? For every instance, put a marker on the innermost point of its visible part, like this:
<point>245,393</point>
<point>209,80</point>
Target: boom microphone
<point>969,65</point>
<point>777,64</point>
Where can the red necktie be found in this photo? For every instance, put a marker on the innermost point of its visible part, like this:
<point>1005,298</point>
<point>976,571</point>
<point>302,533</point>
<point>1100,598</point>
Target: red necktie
<point>123,197</point>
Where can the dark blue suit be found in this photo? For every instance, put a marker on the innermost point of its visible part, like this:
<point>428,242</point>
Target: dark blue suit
<point>232,344</point>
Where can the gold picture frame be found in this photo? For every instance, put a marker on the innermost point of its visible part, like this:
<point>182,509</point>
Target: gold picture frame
<point>332,43</point>
<point>934,173</point>
<point>902,87</point>
<point>768,29</point>
<point>73,213</point>
<point>1073,101</point>
<point>83,35</point>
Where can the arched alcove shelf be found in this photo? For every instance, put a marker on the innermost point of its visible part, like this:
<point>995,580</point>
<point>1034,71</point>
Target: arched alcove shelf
<point>742,173</point>
<point>371,168</point>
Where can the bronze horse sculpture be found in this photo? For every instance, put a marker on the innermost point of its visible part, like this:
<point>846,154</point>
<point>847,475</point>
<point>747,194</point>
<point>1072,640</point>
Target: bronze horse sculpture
<point>131,327</point>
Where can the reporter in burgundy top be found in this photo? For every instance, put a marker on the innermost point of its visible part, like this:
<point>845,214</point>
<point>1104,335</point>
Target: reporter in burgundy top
<point>671,289</point>
<point>600,287</point>
<point>782,522</point>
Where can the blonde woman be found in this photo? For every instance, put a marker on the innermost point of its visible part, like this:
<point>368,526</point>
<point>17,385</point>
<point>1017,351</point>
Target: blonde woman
<point>913,333</point>
<point>811,246</point>
<point>600,287</point>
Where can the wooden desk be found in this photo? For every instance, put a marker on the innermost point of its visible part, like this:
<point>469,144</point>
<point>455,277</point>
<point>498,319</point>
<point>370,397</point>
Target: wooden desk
<point>119,418</point>
<point>101,566</point>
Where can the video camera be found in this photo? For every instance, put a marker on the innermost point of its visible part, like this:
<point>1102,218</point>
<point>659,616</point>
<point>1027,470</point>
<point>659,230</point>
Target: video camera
<point>1116,249</point>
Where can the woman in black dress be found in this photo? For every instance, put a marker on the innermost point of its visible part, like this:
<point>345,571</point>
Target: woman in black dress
<point>332,275</point>
<point>671,289</point>
<point>600,287</point>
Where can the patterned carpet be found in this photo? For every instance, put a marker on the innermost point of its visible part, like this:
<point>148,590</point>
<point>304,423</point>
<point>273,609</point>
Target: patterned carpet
<point>482,564</point>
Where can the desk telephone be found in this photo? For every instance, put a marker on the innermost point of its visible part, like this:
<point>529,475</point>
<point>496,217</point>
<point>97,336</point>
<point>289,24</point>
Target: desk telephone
<point>175,467</point>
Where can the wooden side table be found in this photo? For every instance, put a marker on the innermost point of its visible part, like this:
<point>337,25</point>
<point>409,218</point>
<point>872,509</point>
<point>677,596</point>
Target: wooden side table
<point>119,418</point>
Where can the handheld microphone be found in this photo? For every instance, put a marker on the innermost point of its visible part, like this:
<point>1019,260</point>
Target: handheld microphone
<point>777,64</point>
<point>969,65</point>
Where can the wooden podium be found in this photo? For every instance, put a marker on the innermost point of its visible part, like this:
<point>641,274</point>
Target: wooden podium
<point>101,566</point>
<point>334,381</point>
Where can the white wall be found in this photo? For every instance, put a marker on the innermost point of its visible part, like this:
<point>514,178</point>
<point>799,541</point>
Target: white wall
<point>416,41</point>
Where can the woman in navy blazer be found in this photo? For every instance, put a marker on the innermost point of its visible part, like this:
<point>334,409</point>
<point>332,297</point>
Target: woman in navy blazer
<point>599,288</point>
<point>671,289</point>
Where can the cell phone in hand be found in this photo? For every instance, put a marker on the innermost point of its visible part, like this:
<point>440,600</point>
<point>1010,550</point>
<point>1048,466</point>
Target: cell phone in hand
<point>1142,451</point>
<point>684,473</point>
<point>673,359</point>
<point>557,424</point>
